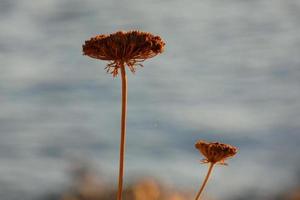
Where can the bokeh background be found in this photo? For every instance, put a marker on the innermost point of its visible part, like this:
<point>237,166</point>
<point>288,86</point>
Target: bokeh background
<point>230,73</point>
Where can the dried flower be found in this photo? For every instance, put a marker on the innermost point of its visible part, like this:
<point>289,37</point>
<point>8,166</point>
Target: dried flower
<point>130,48</point>
<point>121,49</point>
<point>215,152</point>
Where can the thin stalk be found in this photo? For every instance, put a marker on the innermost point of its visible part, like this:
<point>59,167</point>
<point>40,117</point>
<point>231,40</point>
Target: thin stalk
<point>123,130</point>
<point>205,181</point>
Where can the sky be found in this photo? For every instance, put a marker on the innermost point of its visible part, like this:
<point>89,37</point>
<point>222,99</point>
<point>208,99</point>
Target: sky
<point>230,73</point>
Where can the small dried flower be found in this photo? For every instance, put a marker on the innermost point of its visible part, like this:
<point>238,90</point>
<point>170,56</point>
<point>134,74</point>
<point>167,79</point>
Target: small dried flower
<point>130,48</point>
<point>215,152</point>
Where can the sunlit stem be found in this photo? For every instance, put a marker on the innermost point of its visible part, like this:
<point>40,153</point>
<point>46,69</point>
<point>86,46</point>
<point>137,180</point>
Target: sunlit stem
<point>205,181</point>
<point>123,130</point>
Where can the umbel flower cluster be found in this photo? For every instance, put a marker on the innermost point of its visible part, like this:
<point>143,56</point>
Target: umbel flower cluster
<point>215,152</point>
<point>122,49</point>
<point>129,48</point>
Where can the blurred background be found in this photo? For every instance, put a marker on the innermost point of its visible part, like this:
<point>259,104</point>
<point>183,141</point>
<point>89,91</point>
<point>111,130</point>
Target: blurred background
<point>230,73</point>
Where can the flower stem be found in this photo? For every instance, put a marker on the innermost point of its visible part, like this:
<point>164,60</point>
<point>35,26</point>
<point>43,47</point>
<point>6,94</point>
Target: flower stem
<point>123,130</point>
<point>205,181</point>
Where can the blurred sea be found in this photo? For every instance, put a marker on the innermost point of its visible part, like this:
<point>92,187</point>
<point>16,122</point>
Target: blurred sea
<point>230,73</point>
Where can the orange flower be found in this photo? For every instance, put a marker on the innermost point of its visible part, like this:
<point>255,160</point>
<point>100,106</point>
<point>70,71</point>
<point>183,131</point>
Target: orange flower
<point>130,48</point>
<point>215,152</point>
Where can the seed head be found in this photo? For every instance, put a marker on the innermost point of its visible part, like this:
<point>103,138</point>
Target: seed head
<point>215,152</point>
<point>120,48</point>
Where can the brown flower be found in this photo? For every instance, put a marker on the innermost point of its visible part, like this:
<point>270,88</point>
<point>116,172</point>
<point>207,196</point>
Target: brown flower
<point>123,48</point>
<point>215,152</point>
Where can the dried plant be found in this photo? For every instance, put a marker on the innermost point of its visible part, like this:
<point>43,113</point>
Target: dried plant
<point>121,49</point>
<point>214,153</point>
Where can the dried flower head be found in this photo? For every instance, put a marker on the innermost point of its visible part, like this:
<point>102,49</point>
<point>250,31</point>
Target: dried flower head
<point>215,152</point>
<point>120,48</point>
